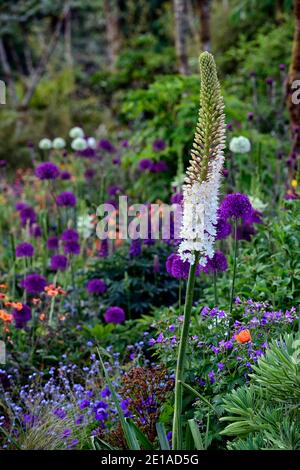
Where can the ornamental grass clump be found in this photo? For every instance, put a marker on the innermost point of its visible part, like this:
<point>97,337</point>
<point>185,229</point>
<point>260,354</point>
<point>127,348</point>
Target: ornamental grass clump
<point>200,213</point>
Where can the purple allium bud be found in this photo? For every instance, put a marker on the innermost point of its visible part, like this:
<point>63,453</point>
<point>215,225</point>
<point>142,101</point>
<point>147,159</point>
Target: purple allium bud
<point>52,243</point>
<point>250,116</point>
<point>71,248</point>
<point>145,164</point>
<point>218,263</point>
<point>35,231</point>
<point>113,190</point>
<point>159,145</point>
<point>89,174</point>
<point>114,315</point>
<point>236,206</point>
<point>22,316</point>
<point>159,167</point>
<point>69,235</point>
<point>47,171</point>
<point>135,248</point>
<point>106,145</point>
<point>65,175</point>
<point>34,284</point>
<point>27,216</point>
<point>282,67</point>
<point>66,199</point>
<point>59,262</point>
<point>96,286</point>
<point>24,250</point>
<point>269,81</point>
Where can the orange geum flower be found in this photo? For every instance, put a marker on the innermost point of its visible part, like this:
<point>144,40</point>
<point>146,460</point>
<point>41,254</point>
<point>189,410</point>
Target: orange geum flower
<point>243,336</point>
<point>6,317</point>
<point>3,286</point>
<point>2,296</point>
<point>42,317</point>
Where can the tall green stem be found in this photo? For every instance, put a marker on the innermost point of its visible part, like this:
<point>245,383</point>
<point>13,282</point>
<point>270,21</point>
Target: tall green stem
<point>234,266</point>
<point>179,378</point>
<point>215,288</point>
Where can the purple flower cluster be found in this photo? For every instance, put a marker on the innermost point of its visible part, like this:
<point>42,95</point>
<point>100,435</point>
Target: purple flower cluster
<point>59,263</point>
<point>236,206</point>
<point>114,315</point>
<point>47,171</point>
<point>24,250</point>
<point>218,263</point>
<point>66,199</point>
<point>178,268</point>
<point>70,239</point>
<point>135,248</point>
<point>34,284</point>
<point>96,286</point>
<point>147,164</point>
<point>21,317</point>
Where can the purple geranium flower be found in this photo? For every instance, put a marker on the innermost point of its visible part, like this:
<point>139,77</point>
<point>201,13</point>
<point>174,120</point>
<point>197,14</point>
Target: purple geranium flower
<point>47,171</point>
<point>34,284</point>
<point>59,262</point>
<point>66,199</point>
<point>96,286</point>
<point>24,250</point>
<point>114,315</point>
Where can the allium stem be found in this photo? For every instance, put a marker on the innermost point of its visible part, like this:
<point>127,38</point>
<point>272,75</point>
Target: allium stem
<point>215,288</point>
<point>235,249</point>
<point>179,378</point>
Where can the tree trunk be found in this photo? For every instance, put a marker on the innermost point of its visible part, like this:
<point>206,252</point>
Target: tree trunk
<point>113,34</point>
<point>180,13</point>
<point>293,84</point>
<point>204,16</point>
<point>68,39</point>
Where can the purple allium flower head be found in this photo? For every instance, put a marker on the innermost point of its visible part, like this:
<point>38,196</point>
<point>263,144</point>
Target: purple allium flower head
<point>65,175</point>
<point>114,315</point>
<point>218,263</point>
<point>236,206</point>
<point>159,167</point>
<point>52,243</point>
<point>71,248</point>
<point>177,198</point>
<point>22,316</point>
<point>20,206</point>
<point>47,171</point>
<point>27,216</point>
<point>35,231</point>
<point>145,164</point>
<point>178,268</point>
<point>223,229</point>
<point>106,145</point>
<point>34,284</point>
<point>69,235</point>
<point>114,190</point>
<point>135,248</point>
<point>269,81</point>
<point>250,116</point>
<point>89,174</point>
<point>59,262</point>
<point>96,286</point>
<point>159,145</point>
<point>24,250</point>
<point>66,199</point>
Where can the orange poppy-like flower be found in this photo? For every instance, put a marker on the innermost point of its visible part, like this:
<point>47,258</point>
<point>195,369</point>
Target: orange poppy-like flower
<point>53,291</point>
<point>17,305</point>
<point>7,317</point>
<point>3,286</point>
<point>244,336</point>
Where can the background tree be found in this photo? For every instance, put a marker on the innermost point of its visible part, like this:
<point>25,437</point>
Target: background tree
<point>113,33</point>
<point>294,74</point>
<point>180,13</point>
<point>204,19</point>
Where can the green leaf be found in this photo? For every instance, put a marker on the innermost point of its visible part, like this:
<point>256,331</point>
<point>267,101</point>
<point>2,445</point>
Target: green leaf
<point>162,436</point>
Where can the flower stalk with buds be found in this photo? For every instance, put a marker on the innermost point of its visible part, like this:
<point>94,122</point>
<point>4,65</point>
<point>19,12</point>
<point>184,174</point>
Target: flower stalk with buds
<point>200,191</point>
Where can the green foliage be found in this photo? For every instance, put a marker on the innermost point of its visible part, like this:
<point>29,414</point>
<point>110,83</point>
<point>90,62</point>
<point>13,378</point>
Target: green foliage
<point>265,413</point>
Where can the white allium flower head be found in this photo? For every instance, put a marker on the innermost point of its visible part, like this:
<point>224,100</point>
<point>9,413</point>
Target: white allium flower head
<point>85,226</point>
<point>59,143</point>
<point>79,144</point>
<point>92,143</point>
<point>45,144</point>
<point>240,145</point>
<point>76,132</point>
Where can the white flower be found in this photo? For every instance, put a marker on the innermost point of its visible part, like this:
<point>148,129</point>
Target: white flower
<point>45,144</point>
<point>79,144</point>
<point>85,225</point>
<point>240,145</point>
<point>257,204</point>
<point>59,143</point>
<point>200,215</point>
<point>76,132</point>
<point>92,142</point>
